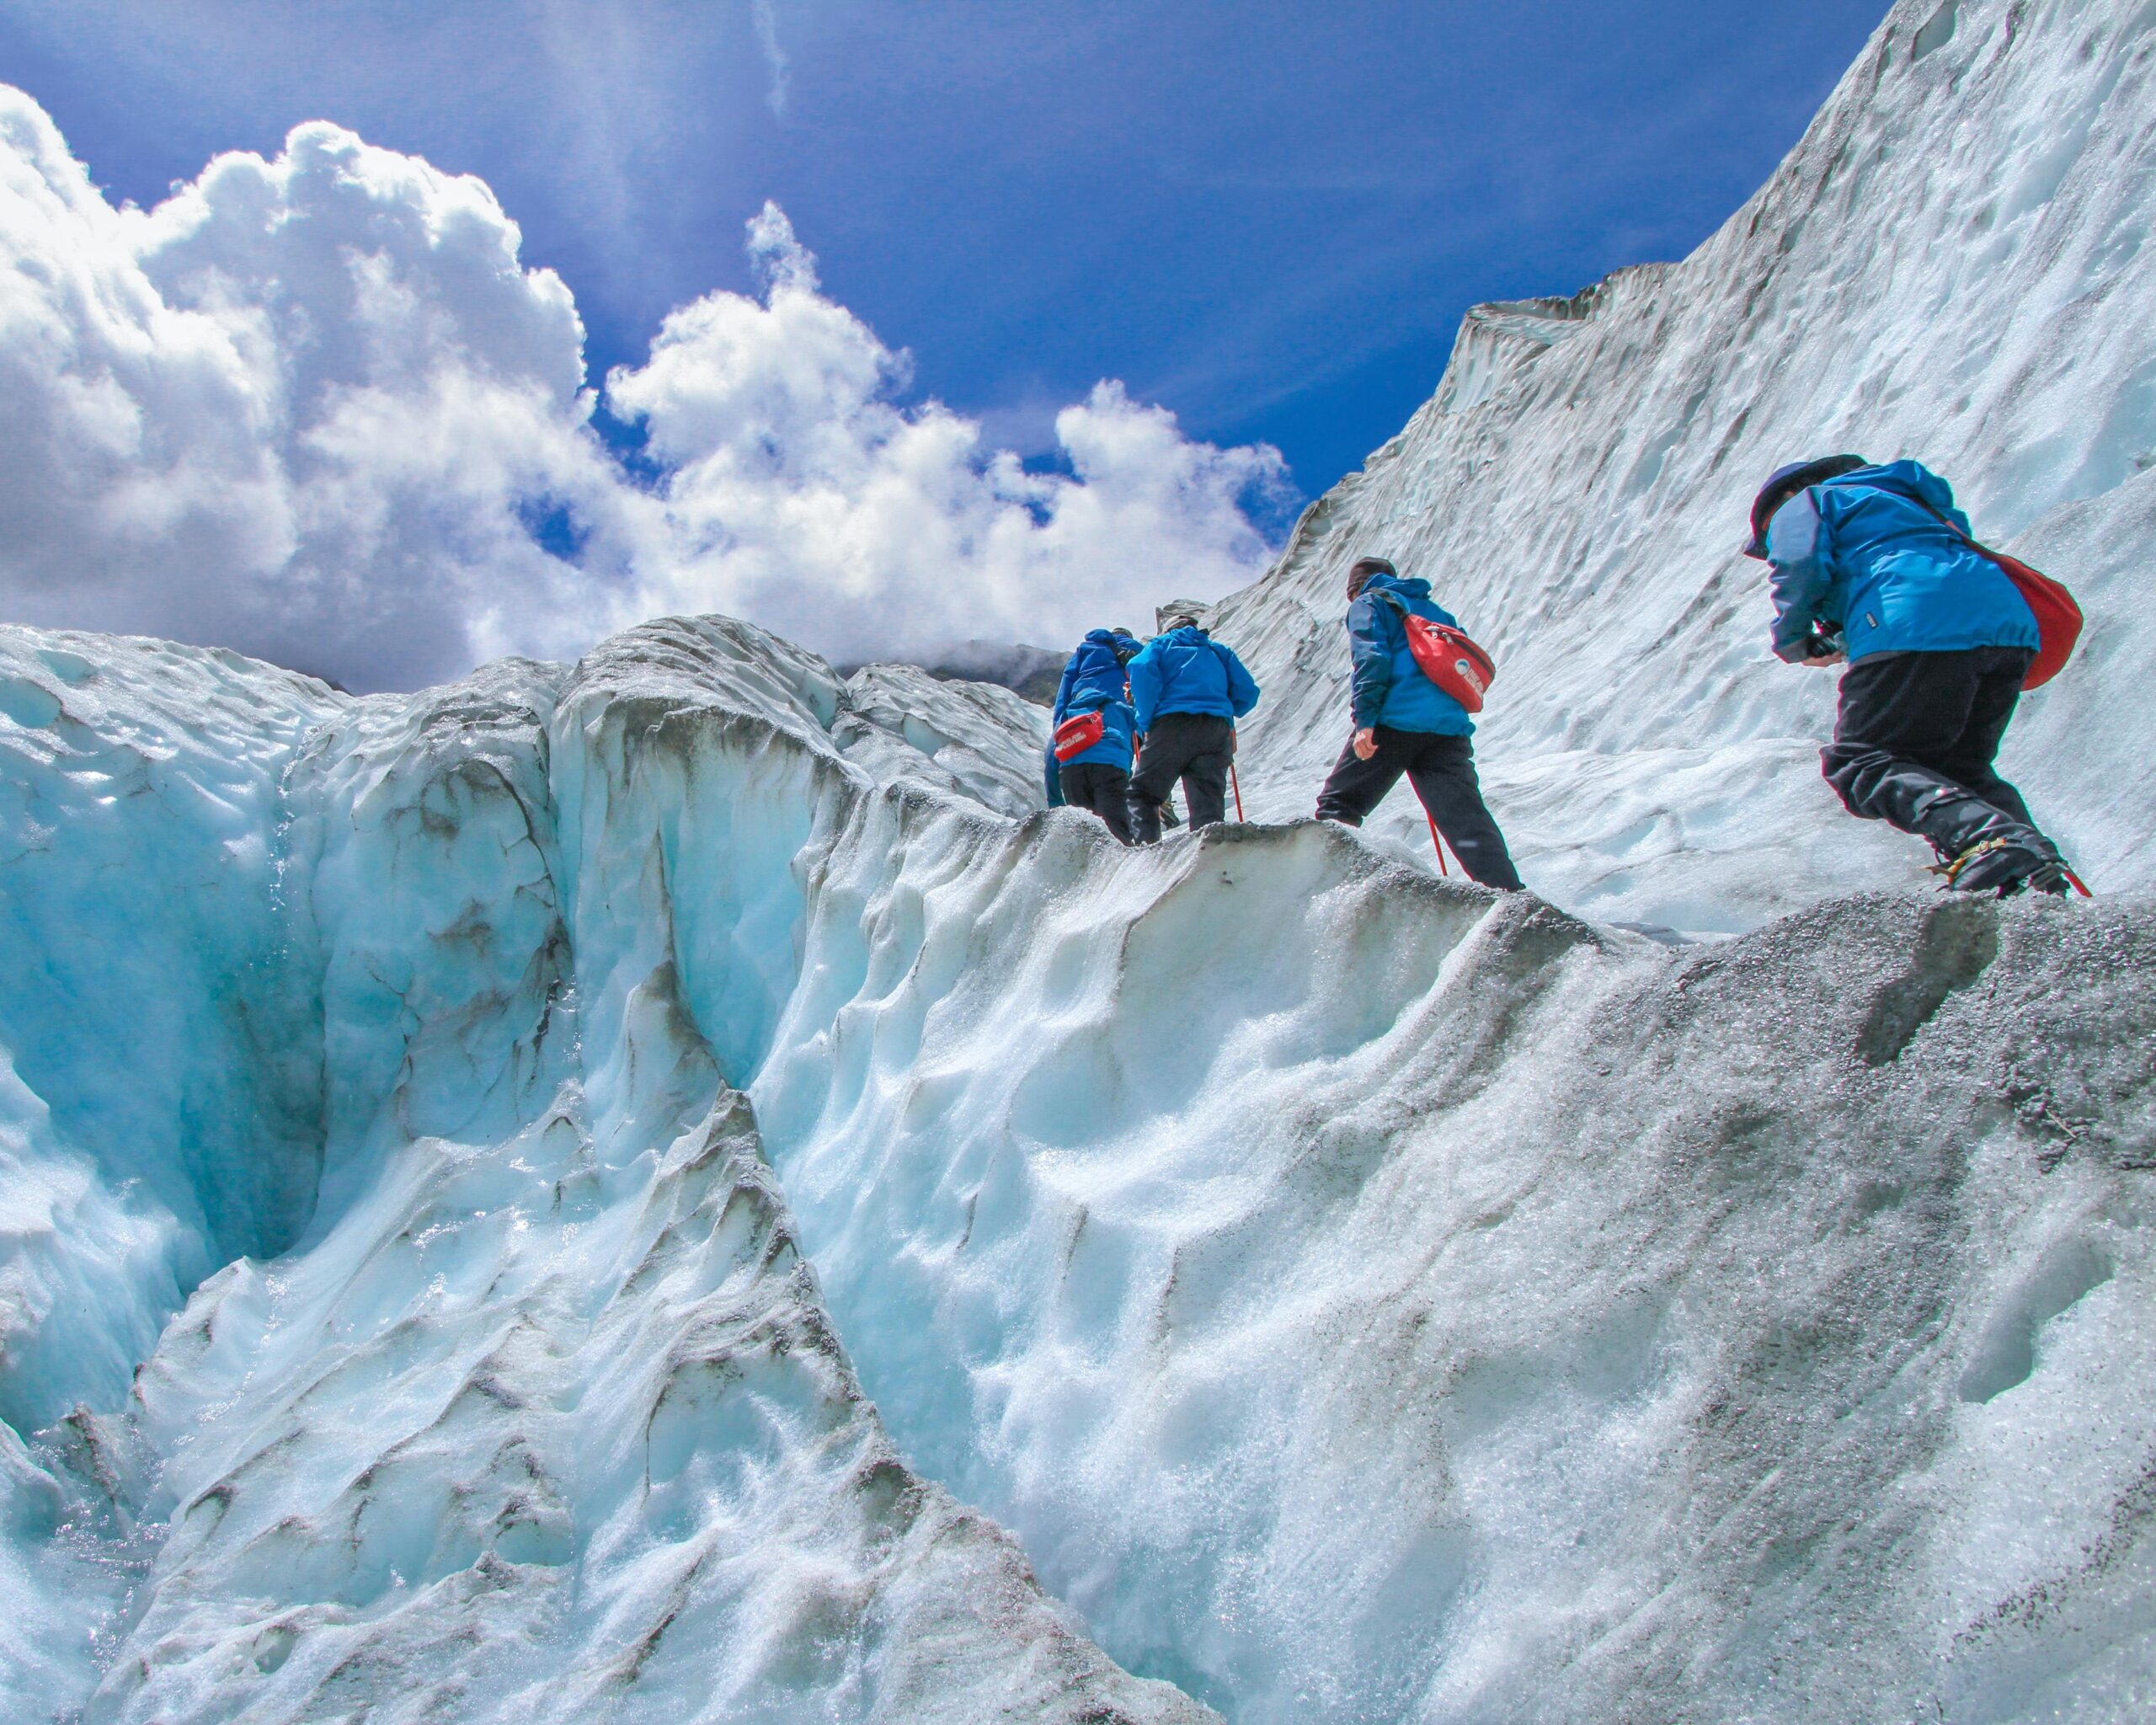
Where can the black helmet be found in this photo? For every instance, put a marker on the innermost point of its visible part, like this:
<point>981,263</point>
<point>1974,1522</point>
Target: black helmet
<point>1784,482</point>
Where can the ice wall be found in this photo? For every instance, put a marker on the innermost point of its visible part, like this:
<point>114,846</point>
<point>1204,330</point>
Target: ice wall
<point>544,1413</point>
<point>160,1071</point>
<point>1953,265</point>
<point>1361,1296</point>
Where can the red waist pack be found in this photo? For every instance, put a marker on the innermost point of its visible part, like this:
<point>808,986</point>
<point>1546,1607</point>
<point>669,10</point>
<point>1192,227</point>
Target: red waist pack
<point>1450,659</point>
<point>1078,734</point>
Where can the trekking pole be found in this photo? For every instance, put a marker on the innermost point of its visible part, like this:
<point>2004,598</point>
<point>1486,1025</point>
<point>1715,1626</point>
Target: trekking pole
<point>1438,843</point>
<point>2076,879</point>
<point>1237,786</point>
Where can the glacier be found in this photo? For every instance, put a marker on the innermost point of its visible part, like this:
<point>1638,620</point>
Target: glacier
<point>668,1187</point>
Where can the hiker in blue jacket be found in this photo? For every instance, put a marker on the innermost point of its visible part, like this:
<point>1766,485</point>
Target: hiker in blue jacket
<point>1405,723</point>
<point>1873,566</point>
<point>1098,778</point>
<point>1188,692</point>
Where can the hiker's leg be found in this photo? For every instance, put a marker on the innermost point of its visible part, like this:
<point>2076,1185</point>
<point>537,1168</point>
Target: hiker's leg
<point>1110,795</point>
<point>1355,787</point>
<point>1970,761</point>
<point>1159,765</point>
<point>1443,773</point>
<point>1901,715</point>
<point>1205,773</point>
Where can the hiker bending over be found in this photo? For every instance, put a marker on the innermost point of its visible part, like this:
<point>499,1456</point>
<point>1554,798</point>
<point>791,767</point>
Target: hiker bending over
<point>1405,723</point>
<point>1874,565</point>
<point>1188,690</point>
<point>1096,776</point>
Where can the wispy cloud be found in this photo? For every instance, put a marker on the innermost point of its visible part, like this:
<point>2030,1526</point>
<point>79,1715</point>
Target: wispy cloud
<point>774,56</point>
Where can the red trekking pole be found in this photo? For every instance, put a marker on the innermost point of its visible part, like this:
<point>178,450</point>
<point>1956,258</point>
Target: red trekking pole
<point>1236,785</point>
<point>1438,843</point>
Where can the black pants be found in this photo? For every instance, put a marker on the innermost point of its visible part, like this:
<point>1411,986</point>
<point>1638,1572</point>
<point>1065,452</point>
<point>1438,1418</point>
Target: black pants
<point>1915,739</point>
<point>1194,747</point>
<point>1442,770</point>
<point>1100,789</point>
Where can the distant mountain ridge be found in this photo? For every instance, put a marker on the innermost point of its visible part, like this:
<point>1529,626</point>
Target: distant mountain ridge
<point>1031,672</point>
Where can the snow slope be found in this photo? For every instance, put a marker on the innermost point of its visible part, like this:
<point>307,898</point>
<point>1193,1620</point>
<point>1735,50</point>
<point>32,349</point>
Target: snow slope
<point>1954,264</point>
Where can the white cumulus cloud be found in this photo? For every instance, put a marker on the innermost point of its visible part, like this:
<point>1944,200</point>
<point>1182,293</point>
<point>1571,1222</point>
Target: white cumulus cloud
<point>315,408</point>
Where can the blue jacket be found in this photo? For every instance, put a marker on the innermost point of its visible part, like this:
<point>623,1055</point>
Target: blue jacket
<point>1186,670</point>
<point>1052,776</point>
<point>1388,688</point>
<point>1095,681</point>
<point>1860,555</point>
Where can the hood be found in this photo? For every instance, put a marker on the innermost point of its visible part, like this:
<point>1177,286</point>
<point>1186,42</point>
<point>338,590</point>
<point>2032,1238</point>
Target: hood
<point>1406,586</point>
<point>1910,479</point>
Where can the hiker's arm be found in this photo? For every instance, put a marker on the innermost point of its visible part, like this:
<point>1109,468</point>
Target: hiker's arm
<point>1144,689</point>
<point>1796,548</point>
<point>1373,653</point>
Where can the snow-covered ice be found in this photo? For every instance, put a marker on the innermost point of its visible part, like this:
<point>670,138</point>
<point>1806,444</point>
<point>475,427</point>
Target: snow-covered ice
<point>668,1188</point>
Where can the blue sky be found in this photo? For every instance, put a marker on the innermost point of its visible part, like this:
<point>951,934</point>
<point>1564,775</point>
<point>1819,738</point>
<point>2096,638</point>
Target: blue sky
<point>1267,217</point>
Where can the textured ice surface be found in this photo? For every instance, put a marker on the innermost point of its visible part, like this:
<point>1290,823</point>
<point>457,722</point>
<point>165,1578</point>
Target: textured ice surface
<point>543,1414</point>
<point>1954,264</point>
<point>1361,1297</point>
<point>1368,1299</point>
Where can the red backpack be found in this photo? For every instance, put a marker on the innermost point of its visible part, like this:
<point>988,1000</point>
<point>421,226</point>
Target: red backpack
<point>1448,658</point>
<point>2059,618</point>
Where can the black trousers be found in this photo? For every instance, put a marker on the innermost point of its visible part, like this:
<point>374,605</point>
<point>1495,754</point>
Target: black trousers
<point>1915,739</point>
<point>1442,770</point>
<point>1100,789</point>
<point>1194,747</point>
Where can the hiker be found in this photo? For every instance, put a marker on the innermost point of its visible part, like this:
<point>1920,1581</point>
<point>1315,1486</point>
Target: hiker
<point>1188,690</point>
<point>1095,774</point>
<point>1875,567</point>
<point>1405,723</point>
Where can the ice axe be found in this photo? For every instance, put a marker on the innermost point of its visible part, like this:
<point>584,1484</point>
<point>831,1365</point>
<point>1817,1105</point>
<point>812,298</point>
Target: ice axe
<point>1236,785</point>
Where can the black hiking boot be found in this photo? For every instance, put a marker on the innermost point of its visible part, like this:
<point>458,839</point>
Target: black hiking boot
<point>2006,863</point>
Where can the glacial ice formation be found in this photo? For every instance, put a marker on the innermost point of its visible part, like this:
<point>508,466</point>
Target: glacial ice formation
<point>541,1413</point>
<point>667,1187</point>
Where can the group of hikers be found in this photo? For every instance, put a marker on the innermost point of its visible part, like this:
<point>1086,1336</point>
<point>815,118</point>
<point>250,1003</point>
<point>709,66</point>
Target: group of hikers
<point>1873,568</point>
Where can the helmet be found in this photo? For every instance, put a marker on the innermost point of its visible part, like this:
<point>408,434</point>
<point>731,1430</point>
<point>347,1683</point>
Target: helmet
<point>1784,483</point>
